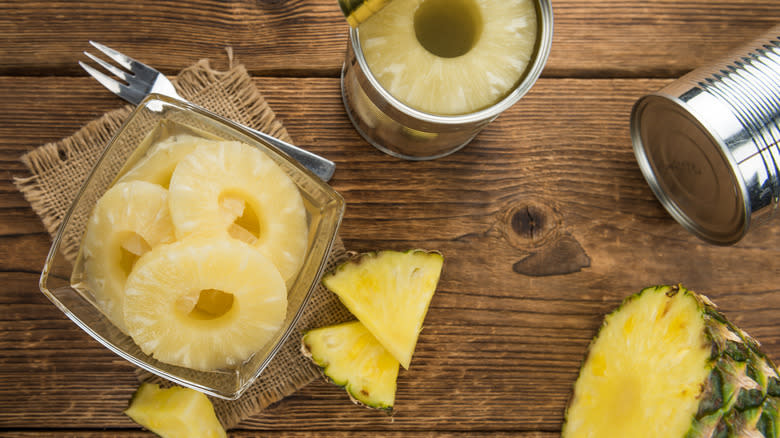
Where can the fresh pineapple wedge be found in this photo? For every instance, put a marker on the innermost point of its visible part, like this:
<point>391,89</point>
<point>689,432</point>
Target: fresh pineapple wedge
<point>666,364</point>
<point>127,221</point>
<point>233,189</point>
<point>358,11</point>
<point>351,357</point>
<point>389,292</point>
<point>450,57</point>
<point>175,412</point>
<point>158,164</point>
<point>204,304</point>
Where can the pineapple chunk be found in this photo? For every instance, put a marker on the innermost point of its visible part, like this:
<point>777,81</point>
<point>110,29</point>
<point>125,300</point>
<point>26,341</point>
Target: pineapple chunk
<point>127,221</point>
<point>204,304</point>
<point>358,11</point>
<point>450,57</point>
<point>666,364</point>
<point>389,292</point>
<point>351,357</point>
<point>214,184</point>
<point>174,412</point>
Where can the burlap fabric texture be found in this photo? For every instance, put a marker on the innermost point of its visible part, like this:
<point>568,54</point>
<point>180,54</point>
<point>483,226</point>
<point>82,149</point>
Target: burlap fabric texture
<point>58,169</point>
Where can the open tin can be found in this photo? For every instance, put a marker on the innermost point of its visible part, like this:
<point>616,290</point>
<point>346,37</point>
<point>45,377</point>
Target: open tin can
<point>708,144</point>
<point>405,132</point>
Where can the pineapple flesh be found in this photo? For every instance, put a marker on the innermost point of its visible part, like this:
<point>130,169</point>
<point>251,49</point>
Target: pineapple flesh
<point>667,364</point>
<point>450,57</point>
<point>204,304</point>
<point>358,11</point>
<point>127,221</point>
<point>159,162</point>
<point>389,292</point>
<point>174,412</point>
<point>233,189</point>
<point>351,357</point>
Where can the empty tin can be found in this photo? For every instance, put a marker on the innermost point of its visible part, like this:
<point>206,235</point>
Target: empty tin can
<point>708,144</point>
<point>405,132</point>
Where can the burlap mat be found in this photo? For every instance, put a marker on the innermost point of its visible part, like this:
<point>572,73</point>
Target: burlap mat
<point>58,169</point>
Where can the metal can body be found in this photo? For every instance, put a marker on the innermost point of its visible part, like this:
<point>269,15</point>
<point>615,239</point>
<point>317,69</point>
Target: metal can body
<point>708,144</point>
<point>401,131</point>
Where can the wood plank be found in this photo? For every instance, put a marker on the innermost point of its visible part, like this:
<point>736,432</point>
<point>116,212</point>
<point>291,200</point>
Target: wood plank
<point>281,434</point>
<point>610,38</point>
<point>512,341</point>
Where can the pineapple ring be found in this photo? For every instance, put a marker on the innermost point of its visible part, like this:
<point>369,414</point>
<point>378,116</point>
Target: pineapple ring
<point>159,162</point>
<point>127,221</point>
<point>210,186</point>
<point>503,39</point>
<point>169,318</point>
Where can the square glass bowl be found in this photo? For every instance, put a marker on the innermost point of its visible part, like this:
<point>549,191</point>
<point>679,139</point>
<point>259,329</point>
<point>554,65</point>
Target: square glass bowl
<point>156,119</point>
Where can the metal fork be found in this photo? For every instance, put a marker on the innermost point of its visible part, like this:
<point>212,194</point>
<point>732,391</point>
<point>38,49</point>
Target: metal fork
<point>141,80</point>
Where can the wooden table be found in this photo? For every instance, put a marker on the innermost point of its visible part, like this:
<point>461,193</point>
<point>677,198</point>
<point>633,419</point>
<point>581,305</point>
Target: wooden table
<point>545,220</point>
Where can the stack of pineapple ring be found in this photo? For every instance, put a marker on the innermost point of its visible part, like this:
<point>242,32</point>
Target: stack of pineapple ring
<point>192,250</point>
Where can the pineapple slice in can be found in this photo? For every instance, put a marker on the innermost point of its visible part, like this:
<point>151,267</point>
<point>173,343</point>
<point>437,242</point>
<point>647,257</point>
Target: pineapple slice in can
<point>667,364</point>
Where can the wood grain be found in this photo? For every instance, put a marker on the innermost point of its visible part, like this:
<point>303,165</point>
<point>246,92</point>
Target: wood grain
<point>513,341</point>
<point>308,37</point>
<point>312,434</point>
<point>544,220</point>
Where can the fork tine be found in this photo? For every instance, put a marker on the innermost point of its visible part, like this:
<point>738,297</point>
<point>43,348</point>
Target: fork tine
<point>121,74</point>
<point>123,60</point>
<point>113,85</point>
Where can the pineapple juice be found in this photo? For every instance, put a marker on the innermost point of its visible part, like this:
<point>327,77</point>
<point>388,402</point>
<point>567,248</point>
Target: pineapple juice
<point>423,77</point>
<point>448,28</point>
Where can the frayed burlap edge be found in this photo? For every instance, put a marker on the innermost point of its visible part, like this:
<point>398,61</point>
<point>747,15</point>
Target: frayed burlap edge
<point>58,169</point>
<point>47,161</point>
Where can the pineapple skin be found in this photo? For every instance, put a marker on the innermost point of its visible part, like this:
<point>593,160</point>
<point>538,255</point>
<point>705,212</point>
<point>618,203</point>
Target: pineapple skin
<point>351,357</point>
<point>741,394</point>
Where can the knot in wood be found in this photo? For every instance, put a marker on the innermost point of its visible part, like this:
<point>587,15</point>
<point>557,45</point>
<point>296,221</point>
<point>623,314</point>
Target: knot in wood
<point>529,222</point>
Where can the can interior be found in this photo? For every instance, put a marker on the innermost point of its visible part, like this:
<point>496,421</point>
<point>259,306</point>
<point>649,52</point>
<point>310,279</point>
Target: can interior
<point>689,170</point>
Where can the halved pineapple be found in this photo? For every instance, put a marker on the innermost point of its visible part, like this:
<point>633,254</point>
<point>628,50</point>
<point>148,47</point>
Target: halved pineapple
<point>174,412</point>
<point>204,304</point>
<point>159,162</point>
<point>666,364</point>
<point>389,292</point>
<point>127,221</point>
<point>231,188</point>
<point>450,56</point>
<point>351,357</point>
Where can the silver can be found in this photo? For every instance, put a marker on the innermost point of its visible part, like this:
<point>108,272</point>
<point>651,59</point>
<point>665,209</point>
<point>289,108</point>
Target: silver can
<point>404,132</point>
<point>708,144</point>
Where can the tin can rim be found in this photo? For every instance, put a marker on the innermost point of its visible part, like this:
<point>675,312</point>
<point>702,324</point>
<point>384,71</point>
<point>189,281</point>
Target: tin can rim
<point>678,213</point>
<point>541,53</point>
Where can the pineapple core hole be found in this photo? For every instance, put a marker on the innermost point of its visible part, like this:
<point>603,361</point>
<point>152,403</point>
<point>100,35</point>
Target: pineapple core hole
<point>448,28</point>
<point>211,304</point>
<point>246,226</point>
<point>131,249</point>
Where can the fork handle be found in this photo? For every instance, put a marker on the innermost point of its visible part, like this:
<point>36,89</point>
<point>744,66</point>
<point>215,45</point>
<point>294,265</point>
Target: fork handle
<point>322,167</point>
